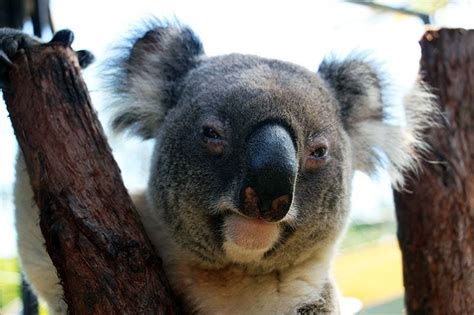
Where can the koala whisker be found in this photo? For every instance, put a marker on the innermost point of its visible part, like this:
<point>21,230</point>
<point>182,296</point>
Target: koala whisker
<point>291,217</point>
<point>203,247</point>
<point>225,205</point>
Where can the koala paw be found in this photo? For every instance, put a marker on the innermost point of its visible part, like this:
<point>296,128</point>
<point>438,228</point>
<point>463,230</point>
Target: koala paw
<point>11,41</point>
<point>66,37</point>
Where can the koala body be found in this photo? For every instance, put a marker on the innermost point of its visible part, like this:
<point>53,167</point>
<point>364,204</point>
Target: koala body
<point>250,178</point>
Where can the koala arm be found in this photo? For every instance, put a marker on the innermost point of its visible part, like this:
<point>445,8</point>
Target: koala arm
<point>36,264</point>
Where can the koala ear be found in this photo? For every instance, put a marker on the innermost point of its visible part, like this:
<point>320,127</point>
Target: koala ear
<point>146,75</point>
<point>376,140</point>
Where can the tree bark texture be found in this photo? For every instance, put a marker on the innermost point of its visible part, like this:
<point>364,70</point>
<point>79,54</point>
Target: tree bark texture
<point>93,234</point>
<point>436,212</point>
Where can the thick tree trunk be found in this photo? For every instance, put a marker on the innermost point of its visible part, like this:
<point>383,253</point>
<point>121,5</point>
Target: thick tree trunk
<point>95,239</point>
<point>436,212</point>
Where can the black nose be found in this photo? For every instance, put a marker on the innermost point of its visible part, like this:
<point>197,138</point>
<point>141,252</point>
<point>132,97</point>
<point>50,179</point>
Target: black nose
<point>271,168</point>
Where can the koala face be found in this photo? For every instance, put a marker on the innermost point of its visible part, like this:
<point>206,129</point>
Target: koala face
<point>254,157</point>
<point>246,125</point>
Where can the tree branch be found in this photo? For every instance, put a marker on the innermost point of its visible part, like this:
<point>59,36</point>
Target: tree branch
<point>93,234</point>
<point>436,212</point>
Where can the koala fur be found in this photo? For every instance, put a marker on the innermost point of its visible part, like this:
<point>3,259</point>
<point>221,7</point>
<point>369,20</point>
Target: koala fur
<point>221,253</point>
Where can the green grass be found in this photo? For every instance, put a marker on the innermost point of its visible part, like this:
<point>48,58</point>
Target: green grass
<point>9,281</point>
<point>393,307</point>
<point>360,234</point>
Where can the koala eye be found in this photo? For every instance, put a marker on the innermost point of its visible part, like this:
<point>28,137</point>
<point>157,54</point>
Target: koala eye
<point>317,156</point>
<point>320,152</point>
<point>213,140</point>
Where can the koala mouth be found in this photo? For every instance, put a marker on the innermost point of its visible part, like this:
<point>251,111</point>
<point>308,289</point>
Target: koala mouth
<point>247,239</point>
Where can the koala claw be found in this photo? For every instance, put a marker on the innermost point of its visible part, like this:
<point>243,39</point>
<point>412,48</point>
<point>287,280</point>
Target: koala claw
<point>63,36</point>
<point>4,58</point>
<point>11,41</point>
<point>85,58</point>
<point>5,62</point>
<point>66,37</point>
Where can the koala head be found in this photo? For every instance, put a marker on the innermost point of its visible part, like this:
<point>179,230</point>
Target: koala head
<point>254,157</point>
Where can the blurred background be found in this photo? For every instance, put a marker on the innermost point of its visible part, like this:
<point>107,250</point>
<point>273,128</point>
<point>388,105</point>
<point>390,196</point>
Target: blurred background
<point>368,267</point>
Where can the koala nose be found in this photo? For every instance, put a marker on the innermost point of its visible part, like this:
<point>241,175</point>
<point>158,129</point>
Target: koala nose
<point>271,168</point>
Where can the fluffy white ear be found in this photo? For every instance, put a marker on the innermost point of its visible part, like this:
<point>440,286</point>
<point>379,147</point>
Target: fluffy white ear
<point>377,141</point>
<point>144,79</point>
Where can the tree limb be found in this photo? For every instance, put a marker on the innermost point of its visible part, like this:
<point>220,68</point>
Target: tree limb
<point>436,212</point>
<point>93,234</point>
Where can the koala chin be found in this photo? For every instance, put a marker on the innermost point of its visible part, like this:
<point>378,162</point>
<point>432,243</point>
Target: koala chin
<point>247,239</point>
<point>250,180</point>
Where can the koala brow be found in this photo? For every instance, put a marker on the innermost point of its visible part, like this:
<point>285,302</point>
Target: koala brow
<point>323,130</point>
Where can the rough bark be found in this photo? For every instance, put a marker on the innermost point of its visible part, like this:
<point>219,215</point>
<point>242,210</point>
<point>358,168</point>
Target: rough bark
<point>93,234</point>
<point>436,212</point>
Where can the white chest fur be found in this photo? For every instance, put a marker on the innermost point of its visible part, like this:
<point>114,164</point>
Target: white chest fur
<point>229,291</point>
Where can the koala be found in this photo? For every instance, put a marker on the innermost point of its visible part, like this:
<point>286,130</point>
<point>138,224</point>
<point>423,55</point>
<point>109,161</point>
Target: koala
<point>250,180</point>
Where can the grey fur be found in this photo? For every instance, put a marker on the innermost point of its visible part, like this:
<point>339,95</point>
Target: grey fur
<point>160,56</point>
<point>362,95</point>
<point>345,99</point>
<point>164,87</point>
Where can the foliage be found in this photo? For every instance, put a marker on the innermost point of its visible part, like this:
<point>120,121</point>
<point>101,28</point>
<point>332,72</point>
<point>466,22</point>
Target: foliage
<point>10,280</point>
